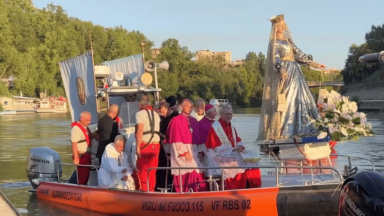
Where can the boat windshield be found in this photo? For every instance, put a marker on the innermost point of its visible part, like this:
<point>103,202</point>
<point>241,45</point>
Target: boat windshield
<point>128,112</point>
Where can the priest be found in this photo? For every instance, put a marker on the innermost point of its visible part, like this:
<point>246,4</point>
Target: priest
<point>224,148</point>
<point>205,125</point>
<point>182,134</point>
<point>115,171</point>
<point>198,109</point>
<point>171,100</point>
<point>206,122</point>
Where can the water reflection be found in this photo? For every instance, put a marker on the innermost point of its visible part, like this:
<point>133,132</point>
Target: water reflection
<point>19,133</point>
<point>49,208</point>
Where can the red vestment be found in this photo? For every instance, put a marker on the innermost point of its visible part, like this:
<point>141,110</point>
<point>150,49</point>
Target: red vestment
<point>252,176</point>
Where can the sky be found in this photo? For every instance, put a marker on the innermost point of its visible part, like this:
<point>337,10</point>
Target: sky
<point>323,28</point>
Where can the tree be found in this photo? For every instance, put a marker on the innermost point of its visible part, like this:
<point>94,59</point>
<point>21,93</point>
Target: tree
<point>33,41</point>
<point>354,69</point>
<point>262,63</point>
<point>375,38</point>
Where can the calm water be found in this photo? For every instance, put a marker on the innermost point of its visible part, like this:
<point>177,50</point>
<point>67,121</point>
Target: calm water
<point>19,133</point>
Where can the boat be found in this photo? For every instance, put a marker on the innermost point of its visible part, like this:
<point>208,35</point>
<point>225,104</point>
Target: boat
<point>8,112</point>
<point>280,193</point>
<point>52,105</point>
<point>219,103</point>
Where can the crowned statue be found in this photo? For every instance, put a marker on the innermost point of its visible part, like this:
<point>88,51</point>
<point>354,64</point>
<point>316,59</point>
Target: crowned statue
<point>287,99</point>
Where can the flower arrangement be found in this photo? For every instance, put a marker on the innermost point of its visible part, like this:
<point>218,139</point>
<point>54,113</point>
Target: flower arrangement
<point>339,119</point>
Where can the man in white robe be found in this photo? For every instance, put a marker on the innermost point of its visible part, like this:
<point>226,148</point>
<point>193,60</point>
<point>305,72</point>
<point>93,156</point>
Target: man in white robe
<point>225,148</point>
<point>115,171</point>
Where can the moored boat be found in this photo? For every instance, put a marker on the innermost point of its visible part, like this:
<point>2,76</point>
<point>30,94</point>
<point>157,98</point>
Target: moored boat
<point>8,112</point>
<point>219,103</point>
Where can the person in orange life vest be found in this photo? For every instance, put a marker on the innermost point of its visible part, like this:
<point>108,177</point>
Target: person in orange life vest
<point>183,134</point>
<point>223,149</point>
<point>147,145</point>
<point>108,130</point>
<point>81,139</point>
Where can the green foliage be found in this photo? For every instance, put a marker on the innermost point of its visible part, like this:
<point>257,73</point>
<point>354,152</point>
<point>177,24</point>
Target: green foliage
<point>375,38</point>
<point>209,79</point>
<point>315,75</point>
<point>354,70</point>
<point>358,71</point>
<point>33,41</point>
<point>4,90</point>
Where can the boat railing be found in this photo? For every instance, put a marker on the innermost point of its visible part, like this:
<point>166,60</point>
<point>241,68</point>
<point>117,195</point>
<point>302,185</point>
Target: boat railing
<point>77,171</point>
<point>354,157</point>
<point>240,167</point>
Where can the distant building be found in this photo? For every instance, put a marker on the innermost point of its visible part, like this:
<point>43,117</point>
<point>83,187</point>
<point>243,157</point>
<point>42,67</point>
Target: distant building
<point>237,63</point>
<point>155,52</point>
<point>227,56</point>
<point>18,103</point>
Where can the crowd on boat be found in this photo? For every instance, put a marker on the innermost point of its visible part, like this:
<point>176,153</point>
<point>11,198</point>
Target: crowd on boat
<point>183,132</point>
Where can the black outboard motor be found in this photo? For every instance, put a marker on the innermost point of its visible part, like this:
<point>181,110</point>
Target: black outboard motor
<point>362,194</point>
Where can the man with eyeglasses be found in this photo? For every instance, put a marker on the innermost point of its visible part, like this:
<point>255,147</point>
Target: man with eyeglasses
<point>225,148</point>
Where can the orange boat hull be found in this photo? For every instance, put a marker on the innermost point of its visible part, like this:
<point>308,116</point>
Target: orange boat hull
<point>261,201</point>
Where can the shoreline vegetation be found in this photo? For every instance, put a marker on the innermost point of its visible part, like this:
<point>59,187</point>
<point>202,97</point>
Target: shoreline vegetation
<point>34,41</point>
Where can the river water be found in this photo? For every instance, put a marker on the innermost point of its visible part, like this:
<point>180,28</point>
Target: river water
<point>19,133</point>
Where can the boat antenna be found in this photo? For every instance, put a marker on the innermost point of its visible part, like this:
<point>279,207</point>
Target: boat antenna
<point>142,44</point>
<point>94,77</point>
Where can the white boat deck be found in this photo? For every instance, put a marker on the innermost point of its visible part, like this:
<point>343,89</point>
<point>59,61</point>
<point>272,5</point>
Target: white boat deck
<point>5,207</point>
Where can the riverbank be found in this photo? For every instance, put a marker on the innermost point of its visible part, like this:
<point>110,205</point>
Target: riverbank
<point>368,94</point>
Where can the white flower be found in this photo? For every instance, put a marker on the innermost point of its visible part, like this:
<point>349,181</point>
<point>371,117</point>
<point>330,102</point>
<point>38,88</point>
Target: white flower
<point>345,99</point>
<point>344,108</point>
<point>336,111</point>
<point>352,106</point>
<point>322,135</point>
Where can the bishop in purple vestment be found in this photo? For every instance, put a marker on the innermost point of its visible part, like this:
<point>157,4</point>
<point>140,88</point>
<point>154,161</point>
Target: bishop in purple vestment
<point>183,133</point>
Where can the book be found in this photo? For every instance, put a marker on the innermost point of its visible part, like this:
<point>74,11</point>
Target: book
<point>250,156</point>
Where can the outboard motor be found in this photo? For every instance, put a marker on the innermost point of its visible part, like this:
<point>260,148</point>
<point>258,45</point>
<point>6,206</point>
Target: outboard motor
<point>43,163</point>
<point>362,194</point>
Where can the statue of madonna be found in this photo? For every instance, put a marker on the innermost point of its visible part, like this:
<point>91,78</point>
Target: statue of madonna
<point>287,99</point>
